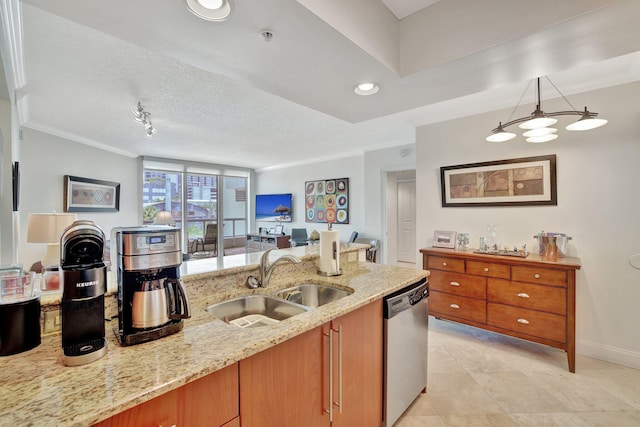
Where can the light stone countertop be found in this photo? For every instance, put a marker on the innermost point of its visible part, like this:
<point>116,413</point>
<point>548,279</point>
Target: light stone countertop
<point>36,389</point>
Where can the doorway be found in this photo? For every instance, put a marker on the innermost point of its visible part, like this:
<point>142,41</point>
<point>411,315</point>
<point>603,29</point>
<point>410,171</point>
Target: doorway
<point>401,218</point>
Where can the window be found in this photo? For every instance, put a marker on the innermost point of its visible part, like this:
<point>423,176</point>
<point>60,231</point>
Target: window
<point>189,191</point>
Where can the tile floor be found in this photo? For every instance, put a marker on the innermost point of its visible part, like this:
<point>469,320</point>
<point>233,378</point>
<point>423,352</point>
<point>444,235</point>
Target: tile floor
<point>478,378</point>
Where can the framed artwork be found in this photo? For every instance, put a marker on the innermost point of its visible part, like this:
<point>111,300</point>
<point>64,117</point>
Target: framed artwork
<point>327,201</point>
<point>444,239</point>
<point>526,181</point>
<point>278,229</point>
<point>90,195</point>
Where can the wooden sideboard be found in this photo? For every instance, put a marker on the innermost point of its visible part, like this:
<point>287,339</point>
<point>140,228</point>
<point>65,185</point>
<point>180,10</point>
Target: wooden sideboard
<point>531,298</point>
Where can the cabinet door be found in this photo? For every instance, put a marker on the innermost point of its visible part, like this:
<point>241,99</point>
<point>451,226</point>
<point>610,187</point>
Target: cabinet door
<point>282,386</point>
<point>233,423</point>
<point>161,411</point>
<point>211,400</point>
<point>362,354</point>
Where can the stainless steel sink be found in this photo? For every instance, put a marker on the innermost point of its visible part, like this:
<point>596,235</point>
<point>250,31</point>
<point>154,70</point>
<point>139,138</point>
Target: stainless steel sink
<point>312,294</point>
<point>255,310</point>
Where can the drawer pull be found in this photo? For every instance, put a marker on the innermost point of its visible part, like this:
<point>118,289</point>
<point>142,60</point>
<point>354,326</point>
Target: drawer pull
<point>444,264</point>
<point>454,306</point>
<point>537,276</point>
<point>486,269</point>
<point>523,295</point>
<point>523,321</point>
<point>454,284</point>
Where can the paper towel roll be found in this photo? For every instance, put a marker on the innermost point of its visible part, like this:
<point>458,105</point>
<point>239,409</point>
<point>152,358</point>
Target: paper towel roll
<point>327,262</point>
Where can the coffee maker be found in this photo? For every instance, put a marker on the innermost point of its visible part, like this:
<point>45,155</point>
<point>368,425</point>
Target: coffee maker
<point>19,311</point>
<point>152,301</point>
<point>84,282</point>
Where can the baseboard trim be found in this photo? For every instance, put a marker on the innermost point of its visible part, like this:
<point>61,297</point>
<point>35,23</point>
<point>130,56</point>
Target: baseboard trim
<point>609,353</point>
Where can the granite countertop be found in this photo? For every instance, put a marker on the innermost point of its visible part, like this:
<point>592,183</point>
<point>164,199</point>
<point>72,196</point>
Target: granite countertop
<point>37,389</point>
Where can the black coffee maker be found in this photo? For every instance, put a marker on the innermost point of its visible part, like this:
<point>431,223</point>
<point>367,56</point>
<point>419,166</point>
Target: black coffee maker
<point>84,281</point>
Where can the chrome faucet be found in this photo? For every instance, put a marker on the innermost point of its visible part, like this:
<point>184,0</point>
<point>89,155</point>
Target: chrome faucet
<point>266,269</point>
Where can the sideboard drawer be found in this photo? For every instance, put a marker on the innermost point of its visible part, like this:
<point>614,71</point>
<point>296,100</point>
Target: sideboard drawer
<point>535,323</point>
<point>458,284</point>
<point>527,295</point>
<point>457,306</point>
<point>446,264</point>
<point>488,269</point>
<point>539,275</point>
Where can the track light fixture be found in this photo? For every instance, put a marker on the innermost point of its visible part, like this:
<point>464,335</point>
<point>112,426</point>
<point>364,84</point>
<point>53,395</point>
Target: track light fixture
<point>144,117</point>
<point>537,125</point>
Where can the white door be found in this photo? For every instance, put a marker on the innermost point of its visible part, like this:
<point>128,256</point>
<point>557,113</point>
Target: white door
<point>407,221</point>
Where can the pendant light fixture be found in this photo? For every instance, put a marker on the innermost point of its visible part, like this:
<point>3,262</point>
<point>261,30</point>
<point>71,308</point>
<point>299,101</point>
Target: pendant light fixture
<point>538,124</point>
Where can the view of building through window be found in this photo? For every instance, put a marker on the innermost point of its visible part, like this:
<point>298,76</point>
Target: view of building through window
<point>163,191</point>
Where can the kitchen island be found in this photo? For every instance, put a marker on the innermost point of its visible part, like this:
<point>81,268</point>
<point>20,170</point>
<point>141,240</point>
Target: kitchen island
<point>37,389</point>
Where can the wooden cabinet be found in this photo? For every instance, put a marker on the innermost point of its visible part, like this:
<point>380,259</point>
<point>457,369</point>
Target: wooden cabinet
<point>361,352</point>
<point>532,298</point>
<point>291,384</point>
<point>211,400</point>
<point>262,242</point>
<point>208,401</point>
<point>160,411</point>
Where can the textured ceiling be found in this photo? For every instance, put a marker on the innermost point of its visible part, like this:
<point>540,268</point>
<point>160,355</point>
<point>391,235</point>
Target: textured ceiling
<point>403,8</point>
<point>219,93</point>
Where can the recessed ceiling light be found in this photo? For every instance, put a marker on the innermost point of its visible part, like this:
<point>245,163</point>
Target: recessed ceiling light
<point>210,10</point>
<point>366,88</point>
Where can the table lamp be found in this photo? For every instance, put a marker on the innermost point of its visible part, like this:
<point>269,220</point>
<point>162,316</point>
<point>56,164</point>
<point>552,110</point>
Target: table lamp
<point>164,218</point>
<point>48,228</point>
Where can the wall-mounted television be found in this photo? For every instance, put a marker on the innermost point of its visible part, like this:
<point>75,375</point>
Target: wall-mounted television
<point>274,207</point>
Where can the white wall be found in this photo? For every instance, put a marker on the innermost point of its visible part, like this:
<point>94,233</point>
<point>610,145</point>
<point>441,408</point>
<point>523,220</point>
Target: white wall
<point>378,164</point>
<point>598,205</point>
<point>45,159</point>
<point>6,193</point>
<point>292,179</point>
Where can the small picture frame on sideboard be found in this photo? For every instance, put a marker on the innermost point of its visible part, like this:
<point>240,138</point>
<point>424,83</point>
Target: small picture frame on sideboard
<point>444,239</point>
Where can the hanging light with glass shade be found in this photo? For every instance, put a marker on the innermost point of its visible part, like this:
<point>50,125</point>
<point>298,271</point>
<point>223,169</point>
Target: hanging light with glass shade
<point>538,126</point>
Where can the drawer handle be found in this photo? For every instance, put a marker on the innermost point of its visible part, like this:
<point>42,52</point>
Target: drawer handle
<point>523,321</point>
<point>523,295</point>
<point>444,264</point>
<point>486,269</point>
<point>454,306</point>
<point>454,284</point>
<point>537,276</point>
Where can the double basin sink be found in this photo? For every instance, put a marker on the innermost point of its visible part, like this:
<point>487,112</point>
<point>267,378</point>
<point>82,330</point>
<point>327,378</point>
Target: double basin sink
<point>261,310</point>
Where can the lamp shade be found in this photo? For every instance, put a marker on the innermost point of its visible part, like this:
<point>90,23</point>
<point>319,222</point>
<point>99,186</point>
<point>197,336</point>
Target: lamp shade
<point>48,227</point>
<point>164,218</point>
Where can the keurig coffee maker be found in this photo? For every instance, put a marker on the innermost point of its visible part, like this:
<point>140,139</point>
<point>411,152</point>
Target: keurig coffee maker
<point>84,281</point>
<point>152,300</point>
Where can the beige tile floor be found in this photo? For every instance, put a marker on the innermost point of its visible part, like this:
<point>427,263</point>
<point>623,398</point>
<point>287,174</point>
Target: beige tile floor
<point>478,378</point>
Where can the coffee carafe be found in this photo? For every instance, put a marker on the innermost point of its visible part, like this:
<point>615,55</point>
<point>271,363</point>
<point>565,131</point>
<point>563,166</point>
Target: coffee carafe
<point>157,301</point>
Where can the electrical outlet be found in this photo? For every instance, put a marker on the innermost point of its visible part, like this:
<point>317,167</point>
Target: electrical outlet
<point>52,321</point>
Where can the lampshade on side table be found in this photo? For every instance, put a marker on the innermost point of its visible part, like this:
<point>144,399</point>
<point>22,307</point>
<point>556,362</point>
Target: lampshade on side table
<point>48,228</point>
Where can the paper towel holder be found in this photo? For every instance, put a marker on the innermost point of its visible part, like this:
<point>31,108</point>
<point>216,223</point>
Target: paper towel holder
<point>336,254</point>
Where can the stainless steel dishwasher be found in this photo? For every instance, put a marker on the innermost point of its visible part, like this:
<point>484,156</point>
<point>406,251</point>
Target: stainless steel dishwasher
<point>406,322</point>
